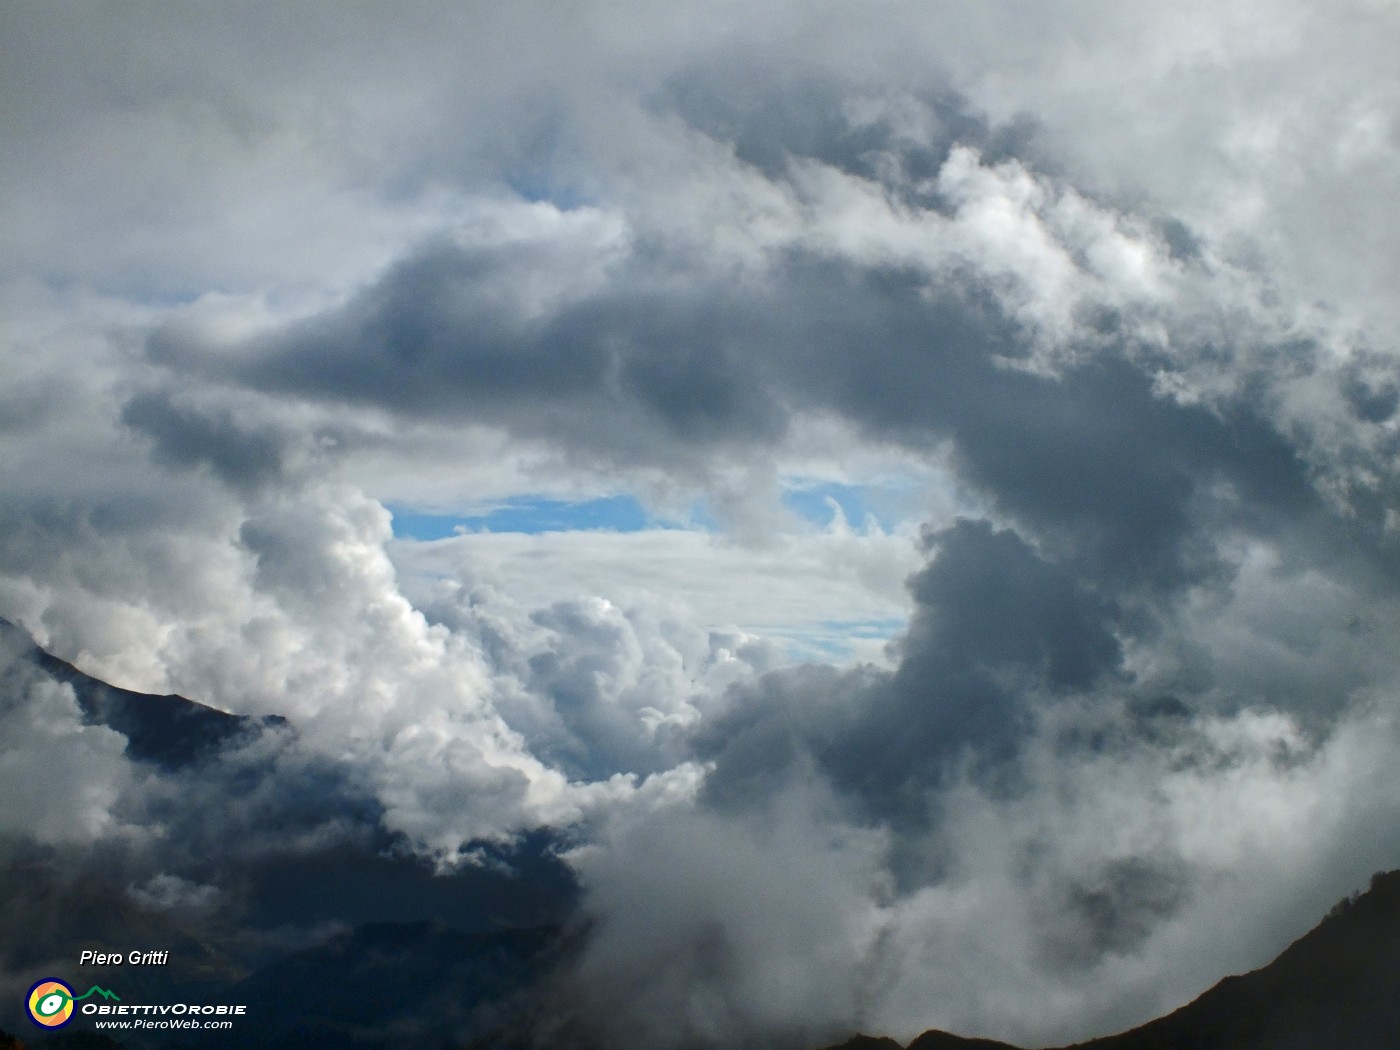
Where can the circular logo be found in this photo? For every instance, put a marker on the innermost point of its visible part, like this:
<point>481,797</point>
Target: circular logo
<point>50,1003</point>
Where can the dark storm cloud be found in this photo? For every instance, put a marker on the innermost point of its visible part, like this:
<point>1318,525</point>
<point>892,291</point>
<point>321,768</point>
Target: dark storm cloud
<point>618,375</point>
<point>994,626</point>
<point>989,601</point>
<point>1094,460</point>
<point>771,117</point>
<point>1098,465</point>
<point>666,360</point>
<point>184,436</point>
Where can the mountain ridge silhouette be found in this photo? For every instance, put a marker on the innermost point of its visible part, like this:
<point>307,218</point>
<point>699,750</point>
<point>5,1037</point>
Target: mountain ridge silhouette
<point>168,730</point>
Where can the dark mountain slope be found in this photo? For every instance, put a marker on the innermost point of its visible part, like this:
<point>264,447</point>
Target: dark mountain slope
<point>944,1041</point>
<point>868,1042</point>
<point>168,730</point>
<point>391,985</point>
<point>1334,987</point>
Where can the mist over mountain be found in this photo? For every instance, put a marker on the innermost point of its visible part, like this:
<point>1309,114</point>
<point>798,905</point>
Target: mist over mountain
<point>1332,987</point>
<point>339,917</point>
<point>421,984</point>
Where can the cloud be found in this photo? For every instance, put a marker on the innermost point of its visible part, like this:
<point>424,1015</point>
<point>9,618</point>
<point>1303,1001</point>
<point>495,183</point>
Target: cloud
<point>1135,852</point>
<point>1072,277</point>
<point>711,929</point>
<point>802,595</point>
<point>188,438</point>
<point>994,626</point>
<point>1044,368</point>
<point>64,778</point>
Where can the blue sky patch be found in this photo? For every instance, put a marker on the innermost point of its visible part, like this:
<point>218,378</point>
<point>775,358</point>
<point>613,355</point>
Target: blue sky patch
<point>531,515</point>
<point>528,514</point>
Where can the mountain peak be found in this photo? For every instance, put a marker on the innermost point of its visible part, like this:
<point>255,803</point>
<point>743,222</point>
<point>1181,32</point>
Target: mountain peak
<point>168,730</point>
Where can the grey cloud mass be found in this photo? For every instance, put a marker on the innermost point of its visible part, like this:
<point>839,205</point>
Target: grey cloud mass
<point>1097,291</point>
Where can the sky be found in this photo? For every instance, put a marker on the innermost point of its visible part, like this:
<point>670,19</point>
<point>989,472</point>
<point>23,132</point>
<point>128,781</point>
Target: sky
<point>904,496</point>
